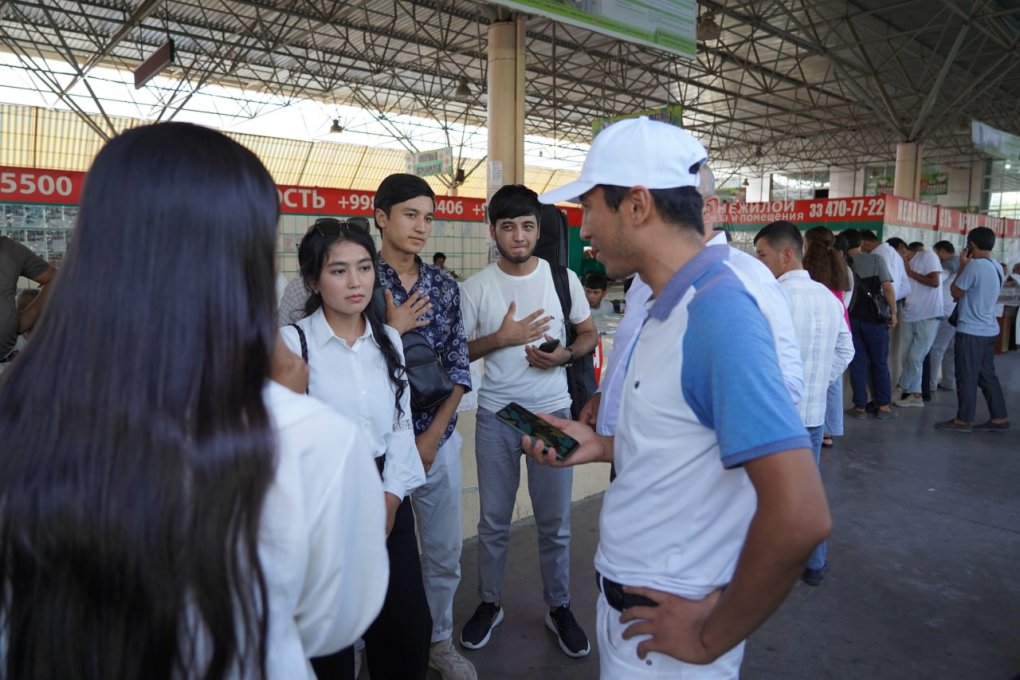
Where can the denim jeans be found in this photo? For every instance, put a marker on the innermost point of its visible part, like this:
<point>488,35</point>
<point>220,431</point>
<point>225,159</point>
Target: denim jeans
<point>918,337</point>
<point>437,507</point>
<point>819,554</point>
<point>834,408</point>
<point>943,359</point>
<point>498,453</point>
<point>871,359</point>
<point>975,367</point>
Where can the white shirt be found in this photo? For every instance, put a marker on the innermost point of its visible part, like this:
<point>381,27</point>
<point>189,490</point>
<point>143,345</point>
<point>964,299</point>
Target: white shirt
<point>826,346</point>
<point>485,299</point>
<point>323,539</point>
<point>356,382</point>
<point>901,284</point>
<point>769,295</point>
<point>924,302</point>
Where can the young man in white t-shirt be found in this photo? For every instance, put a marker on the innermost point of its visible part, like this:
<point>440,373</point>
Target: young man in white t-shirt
<point>509,308</point>
<point>921,313</point>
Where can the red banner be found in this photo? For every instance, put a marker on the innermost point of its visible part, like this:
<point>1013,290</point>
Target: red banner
<point>903,212</point>
<point>951,221</point>
<point>25,185</point>
<point>821,210</point>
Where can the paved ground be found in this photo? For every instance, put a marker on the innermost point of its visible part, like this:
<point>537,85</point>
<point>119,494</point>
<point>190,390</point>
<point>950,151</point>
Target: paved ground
<point>924,553</point>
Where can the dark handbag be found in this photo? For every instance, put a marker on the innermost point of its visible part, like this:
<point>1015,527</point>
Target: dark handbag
<point>430,383</point>
<point>581,371</point>
<point>954,318</point>
<point>869,302</point>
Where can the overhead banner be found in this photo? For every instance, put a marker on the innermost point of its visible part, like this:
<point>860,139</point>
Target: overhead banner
<point>836,213</point>
<point>935,183</point>
<point>995,142</point>
<point>666,24</point>
<point>672,114</point>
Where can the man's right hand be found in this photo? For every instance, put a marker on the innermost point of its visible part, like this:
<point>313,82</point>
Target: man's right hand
<point>410,315</point>
<point>520,332</point>
<point>591,447</point>
<point>590,411</point>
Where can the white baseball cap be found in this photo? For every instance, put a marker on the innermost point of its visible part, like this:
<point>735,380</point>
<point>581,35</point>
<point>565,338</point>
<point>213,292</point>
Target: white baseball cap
<point>636,152</point>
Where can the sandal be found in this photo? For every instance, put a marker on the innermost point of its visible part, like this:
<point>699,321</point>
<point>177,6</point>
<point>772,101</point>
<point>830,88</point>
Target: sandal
<point>827,442</point>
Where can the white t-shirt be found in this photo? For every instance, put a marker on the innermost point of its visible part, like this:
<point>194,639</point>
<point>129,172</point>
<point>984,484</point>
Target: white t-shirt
<point>894,261</point>
<point>923,302</point>
<point>485,298</point>
<point>322,543</point>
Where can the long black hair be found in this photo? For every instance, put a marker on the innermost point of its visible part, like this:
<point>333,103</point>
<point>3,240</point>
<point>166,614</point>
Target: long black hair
<point>312,254</point>
<point>137,450</point>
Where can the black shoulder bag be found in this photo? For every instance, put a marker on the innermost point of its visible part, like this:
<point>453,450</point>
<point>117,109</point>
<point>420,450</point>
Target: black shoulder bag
<point>581,372</point>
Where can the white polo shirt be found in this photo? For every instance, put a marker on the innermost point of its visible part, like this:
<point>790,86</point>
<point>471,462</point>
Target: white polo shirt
<point>702,395</point>
<point>485,298</point>
<point>356,382</point>
<point>924,302</point>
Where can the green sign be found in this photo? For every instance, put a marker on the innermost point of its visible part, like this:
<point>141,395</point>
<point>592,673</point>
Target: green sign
<point>666,24</point>
<point>667,114</point>
<point>935,183</point>
<point>425,163</point>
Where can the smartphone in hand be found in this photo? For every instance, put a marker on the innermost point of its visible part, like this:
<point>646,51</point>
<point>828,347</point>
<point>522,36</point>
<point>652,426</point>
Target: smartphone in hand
<point>526,422</point>
<point>548,346</point>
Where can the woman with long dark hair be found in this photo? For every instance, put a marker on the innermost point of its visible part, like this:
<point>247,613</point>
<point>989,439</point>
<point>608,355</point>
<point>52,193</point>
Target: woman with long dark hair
<point>826,264</point>
<point>355,365</point>
<point>165,510</point>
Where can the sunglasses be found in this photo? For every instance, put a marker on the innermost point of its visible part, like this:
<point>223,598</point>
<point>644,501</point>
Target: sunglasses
<point>330,226</point>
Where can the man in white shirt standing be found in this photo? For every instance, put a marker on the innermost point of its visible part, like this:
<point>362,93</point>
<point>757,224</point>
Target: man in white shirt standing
<point>901,287</point>
<point>826,346</point>
<point>921,313</point>
<point>941,356</point>
<point>717,503</point>
<point>509,308</point>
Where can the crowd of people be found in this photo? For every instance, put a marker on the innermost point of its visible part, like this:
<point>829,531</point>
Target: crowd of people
<point>201,480</point>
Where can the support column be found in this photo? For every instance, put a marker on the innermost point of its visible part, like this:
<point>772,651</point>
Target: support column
<point>506,104</point>
<point>908,170</point>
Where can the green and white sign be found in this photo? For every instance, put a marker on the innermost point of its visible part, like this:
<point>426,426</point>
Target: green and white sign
<point>995,142</point>
<point>671,114</point>
<point>425,163</point>
<point>934,183</point>
<point>666,24</point>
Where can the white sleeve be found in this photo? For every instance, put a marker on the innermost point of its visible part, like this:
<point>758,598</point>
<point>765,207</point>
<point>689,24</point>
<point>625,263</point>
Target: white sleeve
<point>469,310</point>
<point>403,471</point>
<point>844,353</point>
<point>777,312</point>
<point>579,307</point>
<point>348,567</point>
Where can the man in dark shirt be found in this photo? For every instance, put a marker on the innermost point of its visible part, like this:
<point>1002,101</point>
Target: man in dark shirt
<point>16,261</point>
<point>425,298</point>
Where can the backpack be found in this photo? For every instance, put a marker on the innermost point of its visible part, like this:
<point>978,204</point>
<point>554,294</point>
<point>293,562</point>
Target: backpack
<point>868,302</point>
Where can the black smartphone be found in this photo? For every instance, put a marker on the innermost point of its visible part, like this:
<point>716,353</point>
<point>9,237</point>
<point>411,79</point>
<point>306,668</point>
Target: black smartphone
<point>526,422</point>
<point>549,346</point>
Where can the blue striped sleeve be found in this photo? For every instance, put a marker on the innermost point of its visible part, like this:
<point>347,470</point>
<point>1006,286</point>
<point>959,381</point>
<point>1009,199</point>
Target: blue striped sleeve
<point>731,378</point>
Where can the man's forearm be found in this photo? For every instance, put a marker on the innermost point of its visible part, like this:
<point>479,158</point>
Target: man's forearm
<point>445,411</point>
<point>584,343</point>
<point>483,346</point>
<point>30,314</point>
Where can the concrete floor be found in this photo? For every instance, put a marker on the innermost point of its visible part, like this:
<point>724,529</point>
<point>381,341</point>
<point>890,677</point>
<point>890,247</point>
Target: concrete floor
<point>925,557</point>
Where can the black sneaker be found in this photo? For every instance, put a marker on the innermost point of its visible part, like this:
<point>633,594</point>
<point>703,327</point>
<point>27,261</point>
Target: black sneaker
<point>478,629</point>
<point>572,639</point>
<point>814,577</point>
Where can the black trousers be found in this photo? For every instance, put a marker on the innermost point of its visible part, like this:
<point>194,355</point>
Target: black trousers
<point>397,643</point>
<point>975,367</point>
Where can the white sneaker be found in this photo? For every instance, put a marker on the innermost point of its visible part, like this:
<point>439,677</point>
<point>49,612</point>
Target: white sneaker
<point>914,400</point>
<point>445,658</point>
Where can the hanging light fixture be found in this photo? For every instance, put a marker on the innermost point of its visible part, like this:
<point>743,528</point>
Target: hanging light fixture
<point>459,176</point>
<point>335,128</point>
<point>707,29</point>
<point>463,89</point>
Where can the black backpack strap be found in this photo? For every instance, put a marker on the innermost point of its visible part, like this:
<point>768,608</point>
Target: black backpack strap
<point>304,343</point>
<point>562,284</point>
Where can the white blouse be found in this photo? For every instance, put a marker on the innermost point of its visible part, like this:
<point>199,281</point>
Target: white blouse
<point>356,382</point>
<point>322,541</point>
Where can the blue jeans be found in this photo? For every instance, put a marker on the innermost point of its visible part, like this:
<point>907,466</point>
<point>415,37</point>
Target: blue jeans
<point>437,508</point>
<point>871,359</point>
<point>818,556</point>
<point>918,337</point>
<point>834,408</point>
<point>498,453</point>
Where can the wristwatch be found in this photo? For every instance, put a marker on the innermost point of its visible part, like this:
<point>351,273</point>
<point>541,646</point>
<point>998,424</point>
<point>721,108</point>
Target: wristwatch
<point>571,359</point>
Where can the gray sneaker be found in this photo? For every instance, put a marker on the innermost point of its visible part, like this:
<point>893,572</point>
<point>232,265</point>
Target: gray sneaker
<point>445,658</point>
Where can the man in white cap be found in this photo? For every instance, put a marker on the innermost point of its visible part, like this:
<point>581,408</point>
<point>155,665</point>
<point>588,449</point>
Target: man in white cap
<point>717,503</point>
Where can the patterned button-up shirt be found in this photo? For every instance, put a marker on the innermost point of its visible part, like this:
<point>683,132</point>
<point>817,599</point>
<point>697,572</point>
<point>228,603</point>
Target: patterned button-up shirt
<point>445,330</point>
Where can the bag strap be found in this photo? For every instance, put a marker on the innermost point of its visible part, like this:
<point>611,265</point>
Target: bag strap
<point>562,284</point>
<point>304,343</point>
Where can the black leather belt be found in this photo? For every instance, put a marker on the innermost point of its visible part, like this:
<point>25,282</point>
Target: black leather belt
<point>618,599</point>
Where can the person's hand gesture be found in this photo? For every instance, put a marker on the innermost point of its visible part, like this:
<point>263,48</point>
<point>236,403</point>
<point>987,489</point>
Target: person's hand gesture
<point>410,315</point>
<point>675,626</point>
<point>591,447</point>
<point>520,332</point>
